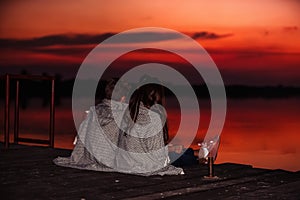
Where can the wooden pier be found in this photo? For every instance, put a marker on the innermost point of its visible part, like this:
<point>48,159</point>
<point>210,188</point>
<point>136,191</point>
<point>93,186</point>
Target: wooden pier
<point>28,172</point>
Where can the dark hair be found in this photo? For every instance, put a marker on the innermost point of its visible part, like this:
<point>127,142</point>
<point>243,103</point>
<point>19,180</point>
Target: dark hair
<point>109,88</point>
<point>120,91</point>
<point>149,95</point>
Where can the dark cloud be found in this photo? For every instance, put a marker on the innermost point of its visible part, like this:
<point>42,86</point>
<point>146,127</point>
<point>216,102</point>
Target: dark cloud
<point>142,37</point>
<point>291,28</point>
<point>88,39</point>
<point>61,39</point>
<point>64,50</point>
<point>207,35</point>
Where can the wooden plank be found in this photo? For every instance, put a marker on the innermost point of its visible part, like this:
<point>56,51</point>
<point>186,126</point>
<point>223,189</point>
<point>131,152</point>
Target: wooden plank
<point>249,189</point>
<point>286,190</point>
<point>29,173</point>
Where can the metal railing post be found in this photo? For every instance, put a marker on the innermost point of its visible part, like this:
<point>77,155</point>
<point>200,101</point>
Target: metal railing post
<point>17,139</point>
<point>52,113</point>
<point>6,115</point>
<point>17,112</point>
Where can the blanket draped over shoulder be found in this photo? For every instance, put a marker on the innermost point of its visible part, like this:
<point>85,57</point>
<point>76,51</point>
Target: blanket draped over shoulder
<point>103,146</point>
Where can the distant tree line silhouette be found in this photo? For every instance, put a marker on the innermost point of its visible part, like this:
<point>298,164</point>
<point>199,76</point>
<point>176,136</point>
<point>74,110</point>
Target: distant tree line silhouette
<point>63,89</point>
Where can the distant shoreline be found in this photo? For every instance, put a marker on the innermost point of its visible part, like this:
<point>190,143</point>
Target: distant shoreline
<point>64,88</point>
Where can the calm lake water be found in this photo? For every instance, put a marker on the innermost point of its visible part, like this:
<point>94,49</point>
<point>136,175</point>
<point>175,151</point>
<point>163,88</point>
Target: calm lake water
<point>260,132</point>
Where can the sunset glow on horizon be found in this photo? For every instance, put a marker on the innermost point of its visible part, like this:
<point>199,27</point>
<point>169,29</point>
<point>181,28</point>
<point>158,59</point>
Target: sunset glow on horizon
<point>33,18</point>
<point>245,38</point>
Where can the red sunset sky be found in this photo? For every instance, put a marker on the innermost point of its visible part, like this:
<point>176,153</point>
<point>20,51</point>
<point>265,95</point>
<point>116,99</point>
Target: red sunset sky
<point>252,42</point>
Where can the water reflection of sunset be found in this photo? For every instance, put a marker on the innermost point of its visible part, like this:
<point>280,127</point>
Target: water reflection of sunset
<point>265,137</point>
